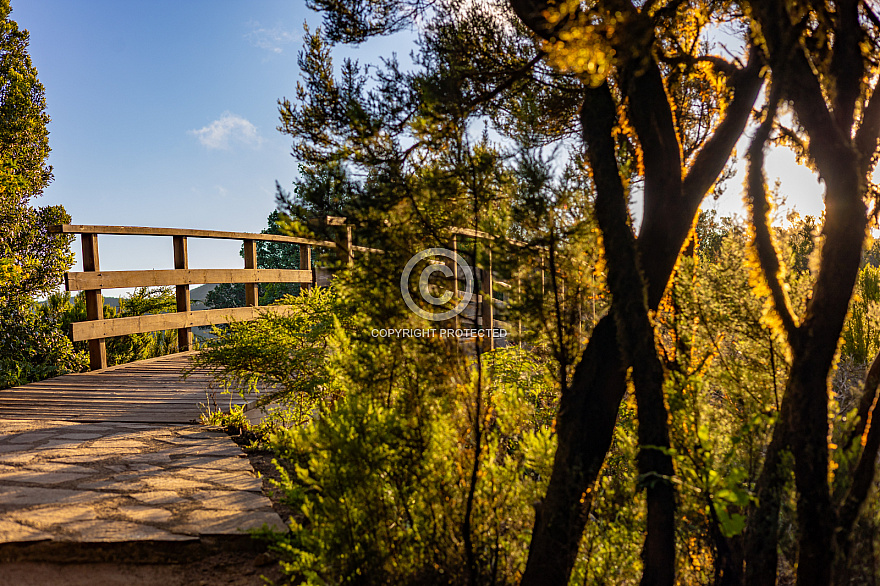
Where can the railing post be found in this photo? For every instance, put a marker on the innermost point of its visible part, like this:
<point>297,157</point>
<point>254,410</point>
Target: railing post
<point>251,290</point>
<point>94,301</point>
<point>305,264</point>
<point>488,317</point>
<point>456,321</point>
<point>519,299</point>
<point>181,261</point>
<point>344,250</point>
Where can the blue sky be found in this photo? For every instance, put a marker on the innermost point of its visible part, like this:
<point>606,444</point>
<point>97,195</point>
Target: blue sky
<point>165,113</point>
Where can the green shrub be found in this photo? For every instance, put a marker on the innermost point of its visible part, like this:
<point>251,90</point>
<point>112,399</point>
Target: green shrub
<point>419,473</point>
<point>283,357</point>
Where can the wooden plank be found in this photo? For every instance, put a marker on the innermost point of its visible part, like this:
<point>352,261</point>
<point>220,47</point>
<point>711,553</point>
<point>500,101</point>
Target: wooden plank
<point>94,301</point>
<point>147,231</point>
<point>323,277</point>
<point>328,221</point>
<point>471,233</point>
<point>251,290</point>
<point>181,261</point>
<point>305,263</point>
<point>106,328</point>
<point>347,247</point>
<point>138,392</point>
<point>161,278</point>
<point>487,317</point>
<point>110,391</point>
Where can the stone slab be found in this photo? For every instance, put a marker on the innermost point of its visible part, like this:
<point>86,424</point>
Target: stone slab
<point>118,483</point>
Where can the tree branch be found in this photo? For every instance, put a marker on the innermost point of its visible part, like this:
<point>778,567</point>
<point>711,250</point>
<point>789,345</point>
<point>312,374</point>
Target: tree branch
<point>720,64</point>
<point>710,161</point>
<point>863,476</point>
<point>846,63</point>
<point>508,82</point>
<point>868,133</point>
<point>759,206</point>
<point>866,403</point>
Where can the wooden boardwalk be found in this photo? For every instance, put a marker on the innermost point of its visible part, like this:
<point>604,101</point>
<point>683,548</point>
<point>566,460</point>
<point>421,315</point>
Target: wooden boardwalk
<point>109,466</point>
<point>148,391</point>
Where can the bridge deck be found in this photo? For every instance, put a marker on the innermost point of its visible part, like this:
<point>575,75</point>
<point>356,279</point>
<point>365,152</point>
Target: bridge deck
<point>148,391</point>
<point>108,465</point>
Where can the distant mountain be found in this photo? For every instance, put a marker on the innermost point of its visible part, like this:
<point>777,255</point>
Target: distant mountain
<point>197,296</point>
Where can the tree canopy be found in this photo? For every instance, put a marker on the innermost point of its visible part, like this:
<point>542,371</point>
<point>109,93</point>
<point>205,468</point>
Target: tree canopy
<point>31,260</point>
<point>543,122</point>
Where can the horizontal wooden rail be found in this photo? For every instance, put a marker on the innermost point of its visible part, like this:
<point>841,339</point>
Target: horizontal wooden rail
<point>118,279</point>
<point>146,231</point>
<point>122,326</point>
<point>183,232</point>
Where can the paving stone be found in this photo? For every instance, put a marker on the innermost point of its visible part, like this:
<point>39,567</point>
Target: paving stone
<point>105,530</point>
<point>58,467</point>
<point>207,522</point>
<point>12,532</point>
<point>116,444</point>
<point>100,452</point>
<point>79,436</point>
<point>233,480</point>
<point>29,477</point>
<point>211,463</point>
<point>23,496</point>
<point>151,458</point>
<point>159,497</point>
<point>231,500</point>
<point>114,486</point>
<point>46,517</point>
<point>172,483</point>
<point>207,450</point>
<point>29,438</point>
<point>132,467</point>
<point>7,448</point>
<point>200,437</point>
<point>75,458</point>
<point>59,443</point>
<point>139,475</point>
<point>18,457</point>
<point>145,514</point>
<point>132,482</point>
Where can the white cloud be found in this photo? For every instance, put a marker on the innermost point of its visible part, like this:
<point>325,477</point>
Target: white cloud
<point>271,39</point>
<point>228,129</point>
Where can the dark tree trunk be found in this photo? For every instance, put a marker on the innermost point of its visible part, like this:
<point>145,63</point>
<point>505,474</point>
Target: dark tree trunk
<point>589,406</point>
<point>635,335</point>
<point>588,410</point>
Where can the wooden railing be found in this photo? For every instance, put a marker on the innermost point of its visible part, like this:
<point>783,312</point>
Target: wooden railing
<point>92,280</point>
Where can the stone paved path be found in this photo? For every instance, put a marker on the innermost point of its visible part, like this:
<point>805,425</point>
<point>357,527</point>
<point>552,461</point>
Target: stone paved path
<point>66,483</point>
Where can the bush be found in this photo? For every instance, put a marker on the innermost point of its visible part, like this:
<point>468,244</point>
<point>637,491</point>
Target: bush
<point>283,357</point>
<point>419,473</point>
<point>33,345</point>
